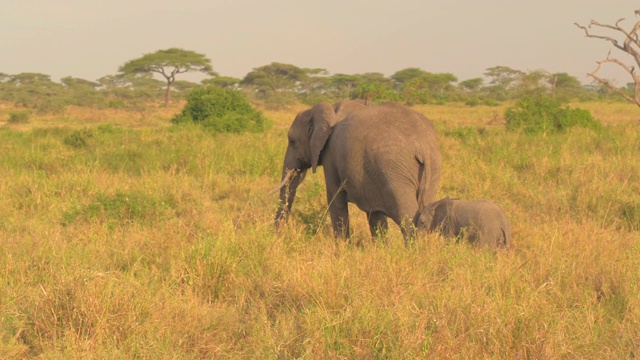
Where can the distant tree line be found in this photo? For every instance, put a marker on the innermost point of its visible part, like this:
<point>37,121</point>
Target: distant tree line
<point>278,85</point>
<point>38,92</point>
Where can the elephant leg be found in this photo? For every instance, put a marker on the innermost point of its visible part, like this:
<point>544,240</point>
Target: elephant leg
<point>339,211</point>
<point>408,232</point>
<point>377,223</point>
<point>403,216</point>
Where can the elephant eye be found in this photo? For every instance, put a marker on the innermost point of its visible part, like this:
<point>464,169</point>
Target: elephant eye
<point>292,142</point>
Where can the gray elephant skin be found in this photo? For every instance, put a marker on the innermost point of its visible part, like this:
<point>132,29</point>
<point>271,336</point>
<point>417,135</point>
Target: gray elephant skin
<point>483,221</point>
<point>383,158</point>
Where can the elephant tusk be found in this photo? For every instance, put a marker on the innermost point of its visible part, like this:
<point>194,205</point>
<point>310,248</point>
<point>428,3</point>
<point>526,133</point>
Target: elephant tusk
<point>284,181</point>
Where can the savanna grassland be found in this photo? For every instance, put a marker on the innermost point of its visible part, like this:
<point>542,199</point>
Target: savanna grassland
<point>126,237</point>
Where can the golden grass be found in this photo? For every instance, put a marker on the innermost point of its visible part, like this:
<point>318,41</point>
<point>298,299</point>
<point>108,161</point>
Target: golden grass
<point>149,241</point>
<point>75,116</point>
<point>612,113</point>
<point>458,114</point>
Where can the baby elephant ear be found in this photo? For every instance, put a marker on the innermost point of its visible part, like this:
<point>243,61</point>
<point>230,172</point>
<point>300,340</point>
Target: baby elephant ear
<point>448,205</point>
<point>442,207</point>
<point>323,118</point>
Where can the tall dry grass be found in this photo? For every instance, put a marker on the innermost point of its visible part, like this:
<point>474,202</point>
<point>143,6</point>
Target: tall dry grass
<point>128,241</point>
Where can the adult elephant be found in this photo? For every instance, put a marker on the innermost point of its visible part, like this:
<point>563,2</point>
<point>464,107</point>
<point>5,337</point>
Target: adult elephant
<point>383,158</point>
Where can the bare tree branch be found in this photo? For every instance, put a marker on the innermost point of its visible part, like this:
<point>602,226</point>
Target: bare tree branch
<point>630,46</point>
<point>608,84</point>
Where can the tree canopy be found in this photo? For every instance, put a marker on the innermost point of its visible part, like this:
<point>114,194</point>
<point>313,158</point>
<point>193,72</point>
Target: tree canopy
<point>222,81</point>
<point>408,74</point>
<point>169,63</point>
<point>275,76</point>
<point>276,84</point>
<point>471,84</point>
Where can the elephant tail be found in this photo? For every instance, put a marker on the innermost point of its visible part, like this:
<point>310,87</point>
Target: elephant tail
<point>427,184</point>
<point>506,237</point>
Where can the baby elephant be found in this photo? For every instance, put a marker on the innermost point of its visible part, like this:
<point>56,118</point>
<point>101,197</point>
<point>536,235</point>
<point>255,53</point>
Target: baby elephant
<point>484,221</point>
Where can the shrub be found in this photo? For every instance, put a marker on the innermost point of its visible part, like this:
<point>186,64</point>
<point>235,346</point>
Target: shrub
<point>18,117</point>
<point>277,100</point>
<point>415,92</point>
<point>221,110</point>
<point>51,105</point>
<point>78,139</point>
<point>474,101</point>
<point>541,114</point>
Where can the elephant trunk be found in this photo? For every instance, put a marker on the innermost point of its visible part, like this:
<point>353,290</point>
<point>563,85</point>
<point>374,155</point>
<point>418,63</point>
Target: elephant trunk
<point>286,177</point>
<point>291,178</point>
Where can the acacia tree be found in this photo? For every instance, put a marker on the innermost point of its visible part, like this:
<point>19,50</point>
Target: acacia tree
<point>406,75</point>
<point>471,85</point>
<point>81,92</point>
<point>502,76</point>
<point>169,63</point>
<point>275,77</point>
<point>35,90</point>
<point>533,82</point>
<point>502,80</point>
<point>222,81</point>
<point>275,83</point>
<point>565,87</point>
<point>629,43</point>
<point>341,85</point>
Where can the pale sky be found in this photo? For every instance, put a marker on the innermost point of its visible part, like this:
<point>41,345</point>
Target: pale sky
<point>92,38</point>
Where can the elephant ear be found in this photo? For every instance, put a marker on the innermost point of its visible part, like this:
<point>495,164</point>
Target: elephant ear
<point>447,205</point>
<point>441,212</point>
<point>440,209</point>
<point>322,119</point>
<point>432,210</point>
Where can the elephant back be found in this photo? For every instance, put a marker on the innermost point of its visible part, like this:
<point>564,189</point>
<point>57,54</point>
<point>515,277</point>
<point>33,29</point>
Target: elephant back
<point>397,132</point>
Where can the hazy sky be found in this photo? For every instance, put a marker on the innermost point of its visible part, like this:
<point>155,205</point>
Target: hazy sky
<point>92,38</point>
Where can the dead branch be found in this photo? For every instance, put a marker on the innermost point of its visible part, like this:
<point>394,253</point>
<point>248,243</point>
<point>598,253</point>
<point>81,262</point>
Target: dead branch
<point>608,84</point>
<point>630,46</point>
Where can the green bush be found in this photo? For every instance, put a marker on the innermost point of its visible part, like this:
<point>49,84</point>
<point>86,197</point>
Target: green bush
<point>221,110</point>
<point>18,117</point>
<point>274,100</point>
<point>51,105</point>
<point>542,114</point>
<point>474,101</point>
<point>78,139</point>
